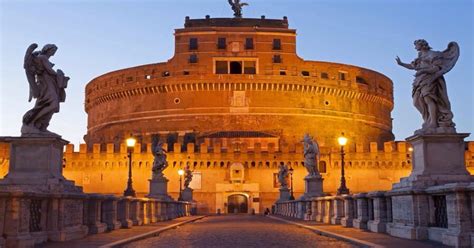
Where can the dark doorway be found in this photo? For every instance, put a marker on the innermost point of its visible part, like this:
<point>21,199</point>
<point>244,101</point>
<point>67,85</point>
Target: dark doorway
<point>235,67</point>
<point>237,204</point>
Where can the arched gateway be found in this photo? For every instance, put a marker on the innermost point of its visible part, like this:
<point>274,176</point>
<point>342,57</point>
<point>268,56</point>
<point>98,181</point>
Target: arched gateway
<point>237,204</point>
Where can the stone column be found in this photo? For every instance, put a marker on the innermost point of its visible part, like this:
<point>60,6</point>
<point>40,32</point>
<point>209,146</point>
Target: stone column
<point>284,194</point>
<point>362,211</point>
<point>187,194</point>
<point>146,205</point>
<point>17,216</point>
<point>135,212</point>
<point>314,209</point>
<point>123,209</point>
<point>321,209</point>
<point>313,187</point>
<point>379,209</point>
<point>348,218</point>
<point>94,211</point>
<point>438,159</point>
<point>328,207</point>
<point>109,213</point>
<point>40,158</point>
<point>159,189</point>
<point>338,210</point>
<point>152,209</point>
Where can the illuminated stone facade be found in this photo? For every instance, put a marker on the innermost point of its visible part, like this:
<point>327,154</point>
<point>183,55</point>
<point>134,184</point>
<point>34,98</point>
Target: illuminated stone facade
<point>231,74</point>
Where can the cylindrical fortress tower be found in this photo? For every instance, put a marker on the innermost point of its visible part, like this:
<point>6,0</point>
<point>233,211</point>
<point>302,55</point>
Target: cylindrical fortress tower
<point>240,76</point>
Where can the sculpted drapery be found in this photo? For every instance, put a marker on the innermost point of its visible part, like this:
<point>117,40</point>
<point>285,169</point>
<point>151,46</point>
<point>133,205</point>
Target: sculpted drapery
<point>430,95</point>
<point>47,86</point>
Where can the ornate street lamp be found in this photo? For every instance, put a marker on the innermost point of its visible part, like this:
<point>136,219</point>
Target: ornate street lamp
<point>342,189</point>
<point>130,145</point>
<point>180,173</point>
<point>292,197</point>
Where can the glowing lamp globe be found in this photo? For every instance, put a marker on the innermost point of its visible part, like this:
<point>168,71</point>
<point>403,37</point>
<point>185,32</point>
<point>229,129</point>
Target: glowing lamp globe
<point>131,142</point>
<point>342,140</point>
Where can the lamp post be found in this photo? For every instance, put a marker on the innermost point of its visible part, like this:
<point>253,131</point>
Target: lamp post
<point>130,145</point>
<point>342,190</point>
<point>292,197</point>
<point>180,173</point>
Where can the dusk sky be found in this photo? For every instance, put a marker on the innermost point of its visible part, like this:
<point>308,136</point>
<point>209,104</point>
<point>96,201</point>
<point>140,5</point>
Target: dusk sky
<point>95,37</point>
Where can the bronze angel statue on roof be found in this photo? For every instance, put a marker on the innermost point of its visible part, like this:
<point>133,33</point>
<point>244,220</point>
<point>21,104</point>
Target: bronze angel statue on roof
<point>430,95</point>
<point>47,86</point>
<point>237,7</point>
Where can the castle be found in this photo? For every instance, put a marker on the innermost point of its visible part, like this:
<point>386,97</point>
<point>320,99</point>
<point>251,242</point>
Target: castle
<point>234,103</point>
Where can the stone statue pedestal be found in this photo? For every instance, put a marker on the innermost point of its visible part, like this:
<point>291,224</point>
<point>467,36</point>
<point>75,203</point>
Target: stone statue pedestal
<point>36,165</point>
<point>284,194</point>
<point>159,189</point>
<point>437,159</point>
<point>313,187</point>
<point>187,194</point>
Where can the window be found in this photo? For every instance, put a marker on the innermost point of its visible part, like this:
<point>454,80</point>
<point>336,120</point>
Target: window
<point>250,67</point>
<point>276,44</point>
<point>193,58</point>
<point>322,166</point>
<point>324,75</point>
<point>235,67</point>
<point>221,43</point>
<point>342,76</point>
<point>221,67</point>
<point>360,80</point>
<point>249,43</point>
<point>282,72</point>
<point>165,74</point>
<point>185,72</point>
<point>129,79</point>
<point>276,59</point>
<point>193,44</point>
<point>147,77</point>
<point>305,73</point>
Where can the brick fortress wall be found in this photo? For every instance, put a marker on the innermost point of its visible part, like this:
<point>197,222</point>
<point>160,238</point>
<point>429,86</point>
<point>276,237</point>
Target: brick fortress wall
<point>105,170</point>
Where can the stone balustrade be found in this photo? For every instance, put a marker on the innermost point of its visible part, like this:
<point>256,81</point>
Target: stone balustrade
<point>33,218</point>
<point>450,219</point>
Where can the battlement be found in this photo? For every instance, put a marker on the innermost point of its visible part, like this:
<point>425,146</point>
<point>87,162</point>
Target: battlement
<point>190,148</point>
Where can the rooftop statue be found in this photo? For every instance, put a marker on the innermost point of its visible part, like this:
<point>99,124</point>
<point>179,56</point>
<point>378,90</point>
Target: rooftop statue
<point>47,86</point>
<point>283,176</point>
<point>237,7</point>
<point>159,162</point>
<point>311,155</point>
<point>430,95</point>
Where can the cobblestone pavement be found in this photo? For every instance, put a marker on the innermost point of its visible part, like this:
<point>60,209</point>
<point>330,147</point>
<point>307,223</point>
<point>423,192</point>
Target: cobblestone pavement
<point>239,231</point>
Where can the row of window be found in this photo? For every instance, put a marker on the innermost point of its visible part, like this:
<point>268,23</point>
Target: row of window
<point>222,43</point>
<point>249,67</point>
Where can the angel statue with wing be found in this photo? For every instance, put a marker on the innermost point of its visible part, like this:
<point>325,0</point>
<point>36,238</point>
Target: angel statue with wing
<point>430,95</point>
<point>159,162</point>
<point>47,86</point>
<point>311,155</point>
<point>237,7</point>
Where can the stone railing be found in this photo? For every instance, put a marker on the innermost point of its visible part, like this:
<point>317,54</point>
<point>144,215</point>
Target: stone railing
<point>32,218</point>
<point>449,215</point>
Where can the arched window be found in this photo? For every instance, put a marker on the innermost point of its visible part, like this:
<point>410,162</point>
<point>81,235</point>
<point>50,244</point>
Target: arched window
<point>322,166</point>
